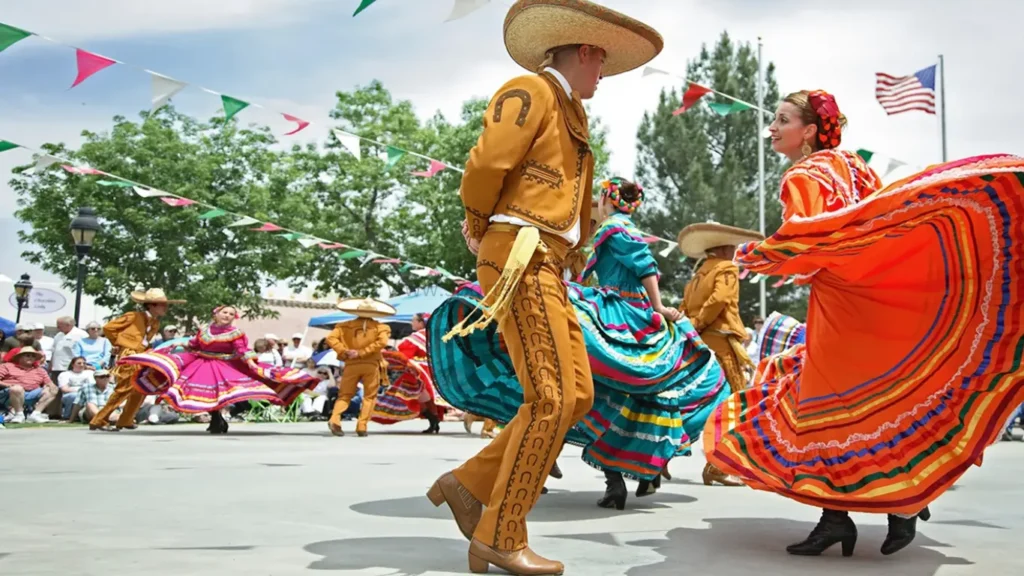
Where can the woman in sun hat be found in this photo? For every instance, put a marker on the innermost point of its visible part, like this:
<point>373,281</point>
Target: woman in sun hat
<point>915,323</point>
<point>527,194</point>
<point>216,370</point>
<point>129,334</point>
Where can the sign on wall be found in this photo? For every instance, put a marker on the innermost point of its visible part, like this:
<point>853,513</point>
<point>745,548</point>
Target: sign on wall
<point>41,301</point>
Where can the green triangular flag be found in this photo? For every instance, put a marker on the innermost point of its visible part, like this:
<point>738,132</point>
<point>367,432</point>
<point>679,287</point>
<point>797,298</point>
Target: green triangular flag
<point>9,35</point>
<point>351,254</point>
<point>363,5</point>
<point>232,106</point>
<point>291,236</point>
<point>866,155</point>
<point>394,155</point>
<point>212,214</point>
<point>405,268</point>
<point>5,146</point>
<point>726,108</point>
<point>114,183</point>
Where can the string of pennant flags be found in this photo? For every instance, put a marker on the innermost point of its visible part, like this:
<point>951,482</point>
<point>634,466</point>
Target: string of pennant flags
<point>44,161</point>
<point>695,93</point>
<point>460,8</point>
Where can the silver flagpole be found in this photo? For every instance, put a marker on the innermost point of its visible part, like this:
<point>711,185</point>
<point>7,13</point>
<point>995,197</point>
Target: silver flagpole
<point>942,104</point>
<point>760,163</point>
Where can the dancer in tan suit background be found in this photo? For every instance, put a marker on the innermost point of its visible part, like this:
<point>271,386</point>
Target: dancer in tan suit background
<point>527,193</point>
<point>358,343</point>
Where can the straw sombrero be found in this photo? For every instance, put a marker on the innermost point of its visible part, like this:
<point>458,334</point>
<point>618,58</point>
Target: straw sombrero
<point>152,296</point>
<point>534,27</point>
<point>696,239</point>
<point>366,307</point>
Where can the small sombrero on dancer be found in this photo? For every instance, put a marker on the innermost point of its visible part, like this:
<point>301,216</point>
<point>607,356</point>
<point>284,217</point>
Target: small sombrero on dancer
<point>152,296</point>
<point>366,308</point>
<point>533,28</point>
<point>696,239</point>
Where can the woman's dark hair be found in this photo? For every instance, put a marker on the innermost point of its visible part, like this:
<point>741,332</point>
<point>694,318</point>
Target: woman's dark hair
<point>76,359</point>
<point>628,191</point>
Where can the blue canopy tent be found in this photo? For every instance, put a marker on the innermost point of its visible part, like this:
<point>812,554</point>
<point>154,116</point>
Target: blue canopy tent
<point>7,326</point>
<point>424,300</point>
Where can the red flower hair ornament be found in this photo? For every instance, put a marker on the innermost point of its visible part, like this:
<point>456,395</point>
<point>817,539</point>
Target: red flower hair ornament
<point>830,130</point>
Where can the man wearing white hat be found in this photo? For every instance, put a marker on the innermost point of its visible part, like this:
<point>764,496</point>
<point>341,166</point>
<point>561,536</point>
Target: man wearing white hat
<point>527,192</point>
<point>131,333</point>
<point>295,354</point>
<point>359,343</point>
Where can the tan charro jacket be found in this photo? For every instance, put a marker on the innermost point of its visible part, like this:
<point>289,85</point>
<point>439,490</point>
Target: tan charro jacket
<point>132,333</point>
<point>532,161</point>
<point>367,337</point>
<point>711,300</point>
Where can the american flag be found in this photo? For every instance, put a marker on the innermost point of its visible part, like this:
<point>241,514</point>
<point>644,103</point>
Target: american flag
<point>899,94</point>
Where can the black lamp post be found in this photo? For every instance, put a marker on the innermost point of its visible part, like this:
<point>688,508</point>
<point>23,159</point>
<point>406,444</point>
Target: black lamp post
<point>22,288</point>
<point>84,228</point>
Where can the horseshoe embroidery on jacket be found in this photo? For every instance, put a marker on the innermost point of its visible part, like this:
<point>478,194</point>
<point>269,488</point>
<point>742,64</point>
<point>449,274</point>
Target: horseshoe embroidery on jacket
<point>523,96</point>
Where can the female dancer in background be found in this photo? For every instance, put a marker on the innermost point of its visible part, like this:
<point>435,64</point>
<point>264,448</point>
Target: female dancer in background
<point>655,380</point>
<point>914,326</point>
<point>217,369</point>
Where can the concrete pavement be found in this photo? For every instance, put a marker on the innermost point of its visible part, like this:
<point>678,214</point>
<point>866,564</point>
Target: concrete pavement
<point>289,499</point>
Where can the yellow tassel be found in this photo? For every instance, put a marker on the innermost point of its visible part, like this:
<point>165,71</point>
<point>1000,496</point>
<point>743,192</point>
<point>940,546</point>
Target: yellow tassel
<point>498,301</point>
<point>741,353</point>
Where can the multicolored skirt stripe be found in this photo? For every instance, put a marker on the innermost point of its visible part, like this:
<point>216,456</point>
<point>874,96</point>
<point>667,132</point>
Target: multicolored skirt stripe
<point>779,333</point>
<point>651,400</point>
<point>915,340</point>
<point>193,383</point>
<point>408,382</point>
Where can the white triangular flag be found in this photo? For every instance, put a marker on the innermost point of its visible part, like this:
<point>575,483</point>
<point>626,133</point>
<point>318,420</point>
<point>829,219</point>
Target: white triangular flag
<point>893,165</point>
<point>651,71</point>
<point>756,278</point>
<point>671,246</point>
<point>308,242</point>
<point>366,259</point>
<point>42,163</point>
<point>164,89</point>
<point>422,271</point>
<point>350,142</point>
<point>463,8</point>
<point>244,221</point>
<point>149,192</point>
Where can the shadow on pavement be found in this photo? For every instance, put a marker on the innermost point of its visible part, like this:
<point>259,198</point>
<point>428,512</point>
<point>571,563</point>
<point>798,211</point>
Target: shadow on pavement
<point>556,506</point>
<point>758,546</point>
<point>408,556</point>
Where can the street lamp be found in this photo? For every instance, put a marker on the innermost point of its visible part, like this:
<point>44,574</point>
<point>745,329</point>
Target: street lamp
<point>84,228</point>
<point>22,288</point>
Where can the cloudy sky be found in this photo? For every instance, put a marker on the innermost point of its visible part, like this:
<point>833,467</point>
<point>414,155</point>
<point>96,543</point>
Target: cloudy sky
<point>292,55</point>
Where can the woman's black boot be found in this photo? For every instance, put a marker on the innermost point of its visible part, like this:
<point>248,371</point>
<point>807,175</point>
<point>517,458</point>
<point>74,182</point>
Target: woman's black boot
<point>648,487</point>
<point>614,492</point>
<point>902,531</point>
<point>435,422</point>
<point>556,472</point>
<point>834,527</point>
<point>217,423</point>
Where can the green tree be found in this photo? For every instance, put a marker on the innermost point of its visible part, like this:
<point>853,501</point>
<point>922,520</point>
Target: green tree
<point>700,166</point>
<point>145,242</point>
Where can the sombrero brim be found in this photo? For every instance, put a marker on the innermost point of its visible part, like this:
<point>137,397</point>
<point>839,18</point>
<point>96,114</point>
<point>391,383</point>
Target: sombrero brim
<point>696,239</point>
<point>357,307</point>
<point>534,27</point>
<point>140,298</point>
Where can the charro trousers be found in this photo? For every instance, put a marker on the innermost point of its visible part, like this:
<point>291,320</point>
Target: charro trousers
<point>367,373</point>
<point>546,346</point>
<point>125,392</point>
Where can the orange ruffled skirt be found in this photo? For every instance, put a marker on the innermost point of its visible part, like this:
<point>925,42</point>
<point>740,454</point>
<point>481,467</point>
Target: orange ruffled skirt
<point>915,335</point>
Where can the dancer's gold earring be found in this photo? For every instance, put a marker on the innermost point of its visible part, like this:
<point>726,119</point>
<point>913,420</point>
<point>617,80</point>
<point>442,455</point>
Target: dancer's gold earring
<point>806,149</point>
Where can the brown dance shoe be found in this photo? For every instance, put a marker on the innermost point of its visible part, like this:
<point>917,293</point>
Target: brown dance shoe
<point>335,429</point>
<point>361,433</point>
<point>465,508</point>
<point>521,562</point>
<point>712,474</point>
<point>556,472</point>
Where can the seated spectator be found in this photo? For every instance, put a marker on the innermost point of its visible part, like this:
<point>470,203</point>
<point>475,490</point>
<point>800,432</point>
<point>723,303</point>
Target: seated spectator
<point>93,396</point>
<point>70,382</point>
<point>94,348</point>
<point>45,342</point>
<point>24,384</point>
<point>314,401</point>
<point>63,345</point>
<point>168,333</point>
<point>296,354</point>
<point>22,337</point>
<point>264,355</point>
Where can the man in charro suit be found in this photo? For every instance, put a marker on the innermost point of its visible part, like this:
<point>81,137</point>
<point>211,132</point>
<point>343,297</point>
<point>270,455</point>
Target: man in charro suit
<point>527,194</point>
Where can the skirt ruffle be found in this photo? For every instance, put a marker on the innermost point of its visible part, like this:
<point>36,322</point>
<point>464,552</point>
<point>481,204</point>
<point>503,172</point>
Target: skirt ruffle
<point>651,398</point>
<point>190,383</point>
<point>409,380</point>
<point>912,360</point>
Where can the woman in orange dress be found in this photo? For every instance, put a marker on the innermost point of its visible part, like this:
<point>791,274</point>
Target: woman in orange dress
<point>915,323</point>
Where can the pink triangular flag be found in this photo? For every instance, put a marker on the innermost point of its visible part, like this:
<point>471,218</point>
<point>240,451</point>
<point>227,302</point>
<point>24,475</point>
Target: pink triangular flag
<point>779,283</point>
<point>177,202</point>
<point>267,227</point>
<point>435,167</point>
<point>744,272</point>
<point>89,64</point>
<point>387,261</point>
<point>651,239</point>
<point>334,246</point>
<point>82,170</point>
<point>302,123</point>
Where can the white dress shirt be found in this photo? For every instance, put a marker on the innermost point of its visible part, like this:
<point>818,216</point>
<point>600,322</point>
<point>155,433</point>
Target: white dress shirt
<point>64,348</point>
<point>573,235</point>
